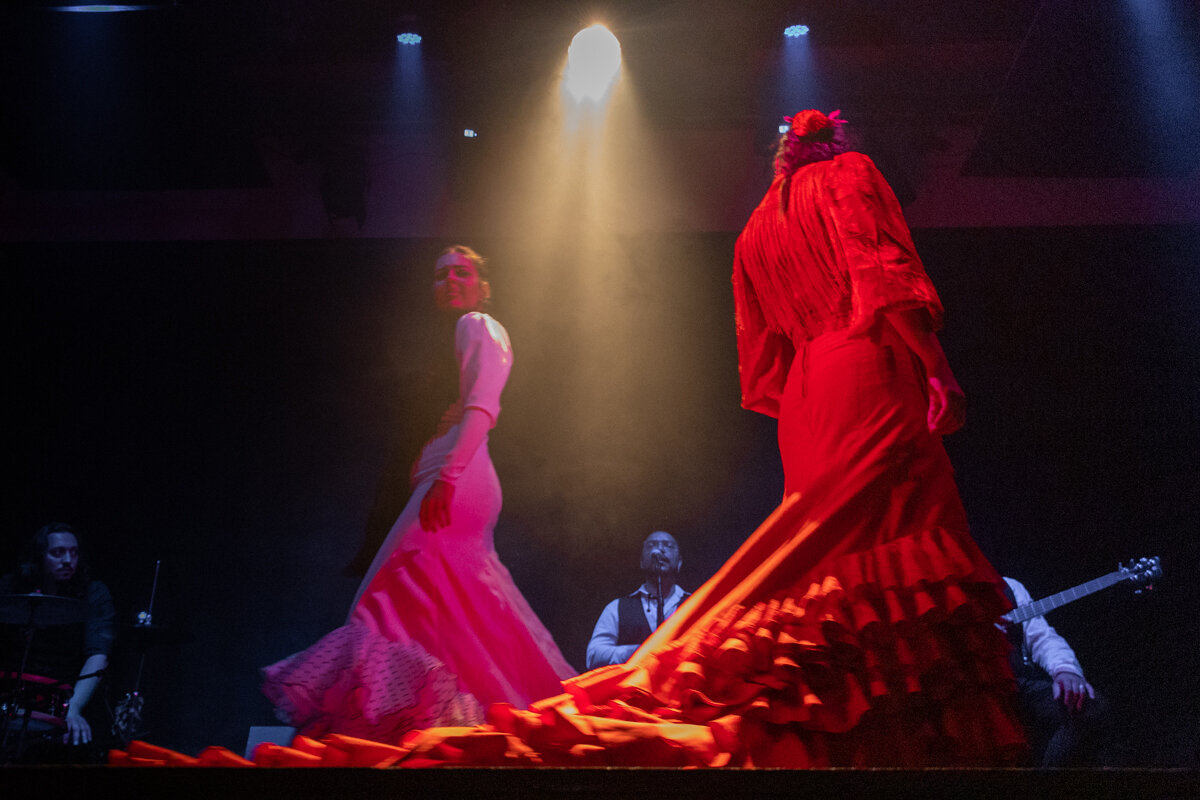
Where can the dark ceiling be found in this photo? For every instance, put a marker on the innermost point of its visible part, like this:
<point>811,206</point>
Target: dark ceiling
<point>176,96</point>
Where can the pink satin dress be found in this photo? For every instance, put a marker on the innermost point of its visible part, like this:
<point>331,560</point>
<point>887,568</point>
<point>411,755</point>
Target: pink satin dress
<point>439,629</point>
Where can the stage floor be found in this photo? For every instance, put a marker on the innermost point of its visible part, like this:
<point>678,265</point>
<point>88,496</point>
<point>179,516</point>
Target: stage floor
<point>526,783</point>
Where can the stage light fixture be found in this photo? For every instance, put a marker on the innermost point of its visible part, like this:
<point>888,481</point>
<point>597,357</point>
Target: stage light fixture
<point>795,31</point>
<point>783,128</point>
<point>408,38</point>
<point>470,133</point>
<point>593,62</point>
<point>101,9</point>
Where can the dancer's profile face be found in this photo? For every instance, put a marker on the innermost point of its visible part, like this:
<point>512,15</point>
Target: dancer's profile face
<point>457,286</point>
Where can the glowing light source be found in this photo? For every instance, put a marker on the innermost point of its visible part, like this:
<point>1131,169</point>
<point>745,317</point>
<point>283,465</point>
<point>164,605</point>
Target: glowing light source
<point>408,38</point>
<point>783,128</point>
<point>795,31</point>
<point>470,133</point>
<point>593,63</point>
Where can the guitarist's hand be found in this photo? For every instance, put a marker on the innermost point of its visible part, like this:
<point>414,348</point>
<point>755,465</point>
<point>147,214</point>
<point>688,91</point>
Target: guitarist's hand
<point>1072,689</point>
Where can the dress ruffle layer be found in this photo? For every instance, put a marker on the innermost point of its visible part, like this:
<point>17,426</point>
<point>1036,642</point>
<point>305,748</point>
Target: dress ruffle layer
<point>359,683</point>
<point>892,659</point>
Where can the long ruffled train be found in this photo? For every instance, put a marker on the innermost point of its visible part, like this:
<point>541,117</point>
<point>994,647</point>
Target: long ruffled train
<point>887,656</point>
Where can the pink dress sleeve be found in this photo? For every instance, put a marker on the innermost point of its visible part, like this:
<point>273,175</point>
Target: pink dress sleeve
<point>885,271</point>
<point>485,359</point>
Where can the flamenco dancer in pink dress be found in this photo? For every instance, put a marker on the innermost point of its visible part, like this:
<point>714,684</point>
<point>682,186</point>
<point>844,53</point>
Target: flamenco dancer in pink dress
<point>438,630</point>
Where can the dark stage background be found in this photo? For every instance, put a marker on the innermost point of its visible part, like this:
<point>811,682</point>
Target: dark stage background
<point>237,410</point>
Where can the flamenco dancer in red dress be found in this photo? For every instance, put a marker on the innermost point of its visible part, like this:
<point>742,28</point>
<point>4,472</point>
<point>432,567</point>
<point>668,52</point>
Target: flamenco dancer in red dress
<point>855,627</point>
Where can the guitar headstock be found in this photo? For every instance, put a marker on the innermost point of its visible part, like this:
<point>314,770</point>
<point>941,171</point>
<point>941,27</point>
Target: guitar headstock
<point>1142,571</point>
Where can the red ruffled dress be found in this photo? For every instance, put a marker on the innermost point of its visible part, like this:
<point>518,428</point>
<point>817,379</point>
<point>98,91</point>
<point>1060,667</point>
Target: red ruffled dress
<point>855,627</point>
<point>888,601</point>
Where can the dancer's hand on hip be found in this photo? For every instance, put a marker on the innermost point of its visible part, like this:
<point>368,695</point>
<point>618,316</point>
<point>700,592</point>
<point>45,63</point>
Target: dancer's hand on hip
<point>435,506</point>
<point>947,405</point>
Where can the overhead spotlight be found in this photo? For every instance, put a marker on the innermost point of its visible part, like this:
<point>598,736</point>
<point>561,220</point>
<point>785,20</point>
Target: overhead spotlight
<point>593,62</point>
<point>408,38</point>
<point>470,133</point>
<point>795,31</point>
<point>101,9</point>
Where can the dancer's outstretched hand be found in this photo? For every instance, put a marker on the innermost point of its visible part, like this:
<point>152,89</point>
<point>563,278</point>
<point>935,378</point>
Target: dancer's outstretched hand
<point>435,506</point>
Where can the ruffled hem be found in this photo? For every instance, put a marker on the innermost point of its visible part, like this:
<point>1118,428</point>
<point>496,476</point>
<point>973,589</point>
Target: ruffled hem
<point>790,656</point>
<point>358,683</point>
<point>890,659</point>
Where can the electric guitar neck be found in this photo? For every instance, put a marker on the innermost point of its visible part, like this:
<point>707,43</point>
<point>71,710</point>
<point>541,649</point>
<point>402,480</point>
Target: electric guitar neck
<point>1142,571</point>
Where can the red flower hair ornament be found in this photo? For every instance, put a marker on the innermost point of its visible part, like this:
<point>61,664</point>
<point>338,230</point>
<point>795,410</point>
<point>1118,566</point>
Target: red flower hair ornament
<point>813,126</point>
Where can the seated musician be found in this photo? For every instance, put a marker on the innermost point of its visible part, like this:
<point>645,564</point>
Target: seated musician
<point>74,655</point>
<point>1060,709</point>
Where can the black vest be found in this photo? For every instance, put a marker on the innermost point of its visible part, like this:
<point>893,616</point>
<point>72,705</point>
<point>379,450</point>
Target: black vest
<point>632,627</point>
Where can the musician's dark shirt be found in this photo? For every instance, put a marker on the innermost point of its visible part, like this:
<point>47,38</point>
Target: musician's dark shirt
<point>60,650</point>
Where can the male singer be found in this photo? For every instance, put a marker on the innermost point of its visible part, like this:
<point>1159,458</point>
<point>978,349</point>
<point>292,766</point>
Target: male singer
<point>627,621</point>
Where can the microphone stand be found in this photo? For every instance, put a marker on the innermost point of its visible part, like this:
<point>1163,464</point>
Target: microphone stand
<point>127,717</point>
<point>661,602</point>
